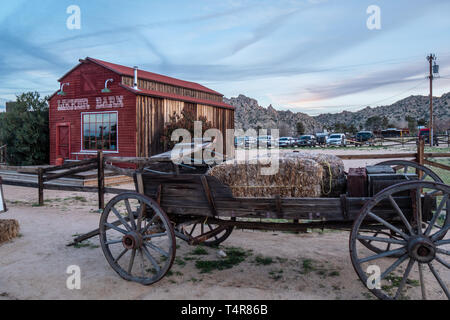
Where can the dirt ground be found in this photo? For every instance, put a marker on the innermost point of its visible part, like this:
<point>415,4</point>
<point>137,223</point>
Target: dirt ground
<point>314,265</point>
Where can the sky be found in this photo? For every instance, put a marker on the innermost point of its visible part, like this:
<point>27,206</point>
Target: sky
<point>312,56</point>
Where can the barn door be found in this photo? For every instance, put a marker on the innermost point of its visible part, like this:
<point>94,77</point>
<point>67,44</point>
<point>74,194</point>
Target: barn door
<point>63,141</point>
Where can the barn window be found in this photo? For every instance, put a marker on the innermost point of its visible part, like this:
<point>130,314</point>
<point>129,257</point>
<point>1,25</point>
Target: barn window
<point>100,131</point>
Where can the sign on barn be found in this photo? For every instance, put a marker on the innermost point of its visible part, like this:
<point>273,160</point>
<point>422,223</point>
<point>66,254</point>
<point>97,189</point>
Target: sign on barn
<point>123,110</point>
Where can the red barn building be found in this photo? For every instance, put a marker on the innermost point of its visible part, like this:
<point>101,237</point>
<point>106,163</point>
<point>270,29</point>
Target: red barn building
<point>123,110</point>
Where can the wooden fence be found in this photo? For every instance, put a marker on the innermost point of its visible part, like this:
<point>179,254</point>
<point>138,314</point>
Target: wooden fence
<point>100,163</point>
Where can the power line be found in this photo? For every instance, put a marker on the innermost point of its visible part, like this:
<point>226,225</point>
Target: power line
<point>422,81</point>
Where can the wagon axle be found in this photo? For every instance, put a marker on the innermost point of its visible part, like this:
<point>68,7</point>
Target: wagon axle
<point>132,240</point>
<point>422,249</point>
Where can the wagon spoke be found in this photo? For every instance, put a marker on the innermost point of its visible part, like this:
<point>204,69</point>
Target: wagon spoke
<point>111,226</point>
<point>418,211</point>
<point>378,239</point>
<point>442,242</point>
<point>447,252</point>
<point>424,176</point>
<point>113,242</point>
<point>130,265</point>
<point>444,263</point>
<point>405,170</point>
<point>192,230</point>
<point>387,224</point>
<point>394,265</point>
<point>130,214</point>
<point>121,219</point>
<point>422,282</point>
<point>440,233</point>
<point>383,254</point>
<point>161,251</point>
<point>155,235</point>
<point>400,213</point>
<point>151,259</point>
<point>120,255</point>
<point>438,278</point>
<point>405,278</point>
<point>436,215</point>
<point>142,262</point>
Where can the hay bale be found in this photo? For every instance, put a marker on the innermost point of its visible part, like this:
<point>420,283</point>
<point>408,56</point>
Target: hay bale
<point>296,177</point>
<point>334,181</point>
<point>9,229</point>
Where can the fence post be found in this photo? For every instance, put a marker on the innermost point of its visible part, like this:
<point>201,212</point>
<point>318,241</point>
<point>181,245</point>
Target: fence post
<point>101,180</point>
<point>420,155</point>
<point>41,186</point>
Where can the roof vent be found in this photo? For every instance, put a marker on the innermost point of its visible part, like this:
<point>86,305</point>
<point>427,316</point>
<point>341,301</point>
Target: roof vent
<point>135,84</point>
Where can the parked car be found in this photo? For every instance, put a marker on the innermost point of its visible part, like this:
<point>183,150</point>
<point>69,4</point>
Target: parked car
<point>425,134</point>
<point>307,141</point>
<point>321,138</point>
<point>245,142</point>
<point>337,139</point>
<point>285,142</point>
<point>365,137</point>
<point>265,141</point>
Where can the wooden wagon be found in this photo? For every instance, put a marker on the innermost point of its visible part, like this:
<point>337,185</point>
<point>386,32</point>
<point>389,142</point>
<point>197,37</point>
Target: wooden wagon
<point>398,236</point>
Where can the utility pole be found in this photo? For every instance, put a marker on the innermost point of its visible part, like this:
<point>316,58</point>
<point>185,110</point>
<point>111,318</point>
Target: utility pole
<point>430,59</point>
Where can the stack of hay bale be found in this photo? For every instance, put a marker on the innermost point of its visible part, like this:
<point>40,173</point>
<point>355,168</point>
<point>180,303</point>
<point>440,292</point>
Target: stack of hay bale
<point>9,229</point>
<point>299,175</point>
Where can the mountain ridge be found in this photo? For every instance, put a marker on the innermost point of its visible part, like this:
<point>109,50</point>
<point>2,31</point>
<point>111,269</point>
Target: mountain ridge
<point>249,114</point>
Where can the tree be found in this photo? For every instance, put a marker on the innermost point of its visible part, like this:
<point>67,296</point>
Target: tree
<point>183,121</point>
<point>412,124</point>
<point>377,123</point>
<point>300,128</point>
<point>24,129</point>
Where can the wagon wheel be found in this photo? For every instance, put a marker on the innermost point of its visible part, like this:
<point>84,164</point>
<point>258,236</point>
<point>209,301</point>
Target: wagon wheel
<point>199,228</point>
<point>137,238</point>
<point>402,166</point>
<point>421,268</point>
<point>399,166</point>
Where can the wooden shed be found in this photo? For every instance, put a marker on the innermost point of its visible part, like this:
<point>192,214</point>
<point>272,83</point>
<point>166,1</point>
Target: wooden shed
<point>123,110</point>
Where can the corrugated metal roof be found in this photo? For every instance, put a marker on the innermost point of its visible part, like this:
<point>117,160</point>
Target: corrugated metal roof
<point>159,94</point>
<point>142,74</point>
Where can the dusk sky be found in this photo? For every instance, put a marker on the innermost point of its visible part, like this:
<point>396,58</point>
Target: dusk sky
<point>313,56</point>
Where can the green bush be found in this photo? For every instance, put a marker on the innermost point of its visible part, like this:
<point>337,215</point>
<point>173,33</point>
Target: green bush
<point>24,129</point>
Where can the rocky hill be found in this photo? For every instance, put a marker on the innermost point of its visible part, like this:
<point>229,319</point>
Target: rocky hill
<point>250,115</point>
<point>417,107</point>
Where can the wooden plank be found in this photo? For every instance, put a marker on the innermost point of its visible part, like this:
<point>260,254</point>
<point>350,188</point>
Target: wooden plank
<point>436,164</point>
<point>376,156</point>
<point>70,165</point>
<point>101,180</point>
<point>70,172</point>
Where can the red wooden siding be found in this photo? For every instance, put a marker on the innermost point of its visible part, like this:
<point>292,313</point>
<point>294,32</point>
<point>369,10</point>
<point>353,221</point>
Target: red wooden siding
<point>87,81</point>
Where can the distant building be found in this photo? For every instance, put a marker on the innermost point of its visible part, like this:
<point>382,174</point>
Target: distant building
<point>10,106</point>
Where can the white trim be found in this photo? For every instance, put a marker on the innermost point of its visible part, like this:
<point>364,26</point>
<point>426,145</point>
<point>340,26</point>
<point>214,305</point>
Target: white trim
<point>82,151</point>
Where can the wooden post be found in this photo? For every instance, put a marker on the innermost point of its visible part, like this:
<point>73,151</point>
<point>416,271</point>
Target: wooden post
<point>101,180</point>
<point>41,186</point>
<point>420,155</point>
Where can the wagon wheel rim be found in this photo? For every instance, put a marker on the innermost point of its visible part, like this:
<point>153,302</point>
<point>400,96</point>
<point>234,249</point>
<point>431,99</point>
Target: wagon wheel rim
<point>399,166</point>
<point>423,251</point>
<point>199,228</point>
<point>137,238</point>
